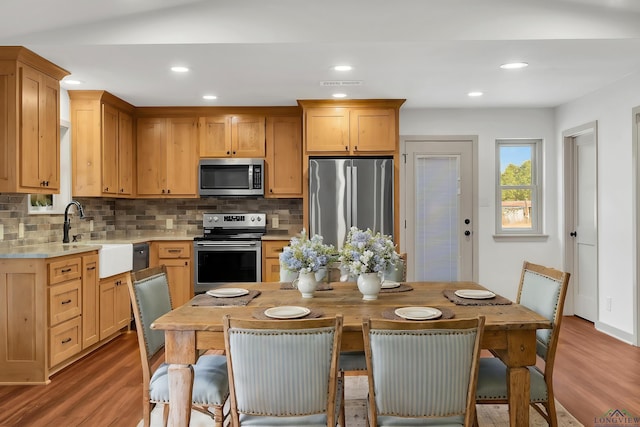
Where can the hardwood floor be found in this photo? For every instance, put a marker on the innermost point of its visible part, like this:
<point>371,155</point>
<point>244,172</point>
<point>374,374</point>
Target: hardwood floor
<point>593,373</point>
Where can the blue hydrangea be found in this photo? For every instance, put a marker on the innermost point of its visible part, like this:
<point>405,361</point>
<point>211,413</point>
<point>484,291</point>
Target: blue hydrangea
<point>305,255</point>
<point>368,252</point>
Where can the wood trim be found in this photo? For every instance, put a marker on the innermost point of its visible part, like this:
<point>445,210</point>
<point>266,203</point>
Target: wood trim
<point>32,59</point>
<point>215,111</point>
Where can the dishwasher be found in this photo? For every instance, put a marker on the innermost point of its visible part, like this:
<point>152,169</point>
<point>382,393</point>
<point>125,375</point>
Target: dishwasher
<point>140,256</point>
<point>140,262</point>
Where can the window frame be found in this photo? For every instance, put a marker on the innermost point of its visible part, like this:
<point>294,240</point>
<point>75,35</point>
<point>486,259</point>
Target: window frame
<point>535,187</point>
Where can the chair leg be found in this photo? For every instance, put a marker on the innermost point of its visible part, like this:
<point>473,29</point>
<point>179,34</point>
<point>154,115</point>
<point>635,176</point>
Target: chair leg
<point>218,416</point>
<point>146,413</point>
<point>341,415</point>
<point>475,418</point>
<point>165,415</point>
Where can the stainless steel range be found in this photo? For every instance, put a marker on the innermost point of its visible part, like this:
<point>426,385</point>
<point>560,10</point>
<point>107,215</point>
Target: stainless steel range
<point>230,249</point>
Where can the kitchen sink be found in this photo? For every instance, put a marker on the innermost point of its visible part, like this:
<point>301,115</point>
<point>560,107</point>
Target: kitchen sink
<point>115,258</point>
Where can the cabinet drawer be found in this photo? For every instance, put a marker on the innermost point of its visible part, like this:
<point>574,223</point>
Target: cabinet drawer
<point>65,269</point>
<point>273,248</point>
<point>174,250</point>
<point>64,340</point>
<point>65,301</point>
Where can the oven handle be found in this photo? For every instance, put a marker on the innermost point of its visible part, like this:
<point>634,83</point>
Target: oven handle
<point>226,244</point>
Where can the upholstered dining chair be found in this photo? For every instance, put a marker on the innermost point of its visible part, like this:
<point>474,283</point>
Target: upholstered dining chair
<point>150,299</point>
<point>283,372</point>
<point>542,290</point>
<point>422,373</point>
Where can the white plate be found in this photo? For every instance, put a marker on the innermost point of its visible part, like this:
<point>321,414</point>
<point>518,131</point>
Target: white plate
<point>418,313</point>
<point>388,284</point>
<point>474,294</point>
<point>286,312</point>
<point>227,292</point>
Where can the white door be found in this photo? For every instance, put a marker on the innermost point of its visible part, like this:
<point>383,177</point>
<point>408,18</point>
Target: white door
<point>582,223</point>
<point>439,209</point>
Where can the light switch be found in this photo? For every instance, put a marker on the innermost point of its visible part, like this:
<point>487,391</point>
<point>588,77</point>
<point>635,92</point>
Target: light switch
<point>275,222</point>
<point>1,232</point>
<point>169,224</point>
<point>91,225</point>
<point>21,230</point>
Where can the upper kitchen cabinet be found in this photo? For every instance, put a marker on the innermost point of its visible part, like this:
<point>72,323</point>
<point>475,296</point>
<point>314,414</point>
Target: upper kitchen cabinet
<point>167,153</point>
<point>355,127</point>
<point>29,122</point>
<point>232,136</point>
<point>103,144</point>
<point>284,157</point>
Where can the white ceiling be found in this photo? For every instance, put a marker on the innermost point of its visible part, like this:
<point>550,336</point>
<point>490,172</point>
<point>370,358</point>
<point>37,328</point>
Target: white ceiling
<point>273,52</point>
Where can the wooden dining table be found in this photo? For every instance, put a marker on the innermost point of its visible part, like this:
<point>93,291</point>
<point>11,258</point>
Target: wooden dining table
<point>190,330</point>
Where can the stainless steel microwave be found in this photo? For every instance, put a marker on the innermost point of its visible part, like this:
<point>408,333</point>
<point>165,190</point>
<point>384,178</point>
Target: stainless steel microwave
<point>231,177</point>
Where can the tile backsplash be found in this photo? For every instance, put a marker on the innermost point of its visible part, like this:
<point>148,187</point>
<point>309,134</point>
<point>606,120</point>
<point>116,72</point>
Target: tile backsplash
<point>136,215</point>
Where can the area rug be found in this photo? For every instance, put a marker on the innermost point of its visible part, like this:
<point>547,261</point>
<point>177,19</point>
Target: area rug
<point>355,411</point>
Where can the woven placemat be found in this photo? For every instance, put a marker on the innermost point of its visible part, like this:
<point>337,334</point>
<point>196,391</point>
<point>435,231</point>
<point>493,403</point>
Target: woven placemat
<point>259,314</point>
<point>497,300</point>
<point>390,314</point>
<point>287,286</point>
<point>402,288</point>
<point>208,300</point>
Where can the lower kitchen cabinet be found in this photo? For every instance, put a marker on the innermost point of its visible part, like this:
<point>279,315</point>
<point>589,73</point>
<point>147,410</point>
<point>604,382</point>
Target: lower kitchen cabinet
<point>54,311</point>
<point>115,307</point>
<point>271,250</point>
<point>177,257</point>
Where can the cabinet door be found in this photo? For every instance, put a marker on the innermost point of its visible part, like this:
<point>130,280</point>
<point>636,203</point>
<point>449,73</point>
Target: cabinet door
<point>125,154</point>
<point>90,301</point>
<point>49,148</point>
<point>248,136</point>
<point>182,155</point>
<point>215,136</point>
<point>179,277</point>
<point>373,130</point>
<point>151,149</point>
<point>271,251</point>
<point>109,149</point>
<point>30,128</point>
<point>284,157</point>
<point>327,129</point>
<point>122,308</point>
<point>107,307</point>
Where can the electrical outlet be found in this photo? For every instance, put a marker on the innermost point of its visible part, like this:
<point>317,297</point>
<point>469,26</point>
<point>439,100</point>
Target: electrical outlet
<point>1,232</point>
<point>91,225</point>
<point>169,224</point>
<point>608,303</point>
<point>21,230</point>
<point>275,221</point>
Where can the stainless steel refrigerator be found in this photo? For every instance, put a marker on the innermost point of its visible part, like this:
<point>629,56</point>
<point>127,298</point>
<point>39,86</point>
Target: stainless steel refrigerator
<point>345,192</point>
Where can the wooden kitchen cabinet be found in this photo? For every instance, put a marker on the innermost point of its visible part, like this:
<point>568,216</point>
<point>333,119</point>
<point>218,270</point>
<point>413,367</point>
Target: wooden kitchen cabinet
<point>240,135</point>
<point>271,250</point>
<point>90,301</point>
<point>356,127</point>
<point>103,144</point>
<point>115,307</point>
<point>284,157</point>
<point>167,157</point>
<point>177,257</point>
<point>30,122</point>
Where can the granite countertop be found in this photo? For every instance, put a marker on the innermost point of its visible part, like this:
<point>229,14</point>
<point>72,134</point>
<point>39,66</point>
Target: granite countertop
<point>56,249</point>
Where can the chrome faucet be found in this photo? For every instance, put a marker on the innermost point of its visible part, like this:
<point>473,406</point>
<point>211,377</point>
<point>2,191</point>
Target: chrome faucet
<point>67,223</point>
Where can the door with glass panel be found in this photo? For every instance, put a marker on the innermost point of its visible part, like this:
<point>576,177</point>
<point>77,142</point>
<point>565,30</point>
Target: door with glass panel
<point>439,209</point>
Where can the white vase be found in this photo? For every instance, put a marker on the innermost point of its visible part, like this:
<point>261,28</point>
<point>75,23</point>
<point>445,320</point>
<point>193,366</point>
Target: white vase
<point>369,285</point>
<point>307,284</point>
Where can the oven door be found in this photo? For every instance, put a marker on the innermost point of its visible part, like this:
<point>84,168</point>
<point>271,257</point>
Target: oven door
<point>220,262</point>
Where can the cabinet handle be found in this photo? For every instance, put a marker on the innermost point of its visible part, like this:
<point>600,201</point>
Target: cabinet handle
<point>91,268</point>
<point>234,153</point>
<point>346,148</point>
<point>356,148</point>
<point>163,191</point>
<point>174,251</point>
<point>186,263</point>
<point>168,191</point>
<point>65,270</point>
<point>106,189</point>
<point>66,302</point>
<point>122,190</point>
<point>66,340</point>
<point>228,152</point>
<point>271,190</point>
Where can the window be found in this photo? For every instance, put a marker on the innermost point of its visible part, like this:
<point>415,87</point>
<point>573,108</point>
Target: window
<point>518,187</point>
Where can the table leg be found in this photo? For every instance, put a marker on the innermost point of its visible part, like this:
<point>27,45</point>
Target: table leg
<point>519,388</point>
<point>180,388</point>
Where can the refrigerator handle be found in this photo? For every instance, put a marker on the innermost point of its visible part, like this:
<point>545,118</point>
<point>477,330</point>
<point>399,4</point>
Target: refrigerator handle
<point>354,200</point>
<point>349,197</point>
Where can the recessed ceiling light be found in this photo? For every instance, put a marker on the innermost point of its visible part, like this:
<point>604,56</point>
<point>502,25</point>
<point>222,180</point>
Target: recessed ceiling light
<point>343,68</point>
<point>514,65</point>
<point>179,69</point>
<point>339,95</point>
<point>209,97</point>
<point>474,94</point>
<point>72,82</point>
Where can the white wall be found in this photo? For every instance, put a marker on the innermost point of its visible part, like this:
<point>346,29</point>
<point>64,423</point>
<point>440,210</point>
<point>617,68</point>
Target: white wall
<point>500,262</point>
<point>612,108</point>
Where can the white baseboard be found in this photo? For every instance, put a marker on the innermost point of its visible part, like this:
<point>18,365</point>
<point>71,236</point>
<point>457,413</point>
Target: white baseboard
<point>615,332</point>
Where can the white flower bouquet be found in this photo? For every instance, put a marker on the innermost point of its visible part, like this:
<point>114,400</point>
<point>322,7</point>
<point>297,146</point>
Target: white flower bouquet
<point>304,255</point>
<point>366,252</point>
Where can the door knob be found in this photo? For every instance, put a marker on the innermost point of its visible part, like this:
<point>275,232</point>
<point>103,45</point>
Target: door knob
<point>573,234</point>
<point>467,233</point>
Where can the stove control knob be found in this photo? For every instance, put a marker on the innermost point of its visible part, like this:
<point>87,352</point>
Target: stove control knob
<point>259,219</point>
<point>253,218</point>
<point>215,219</point>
